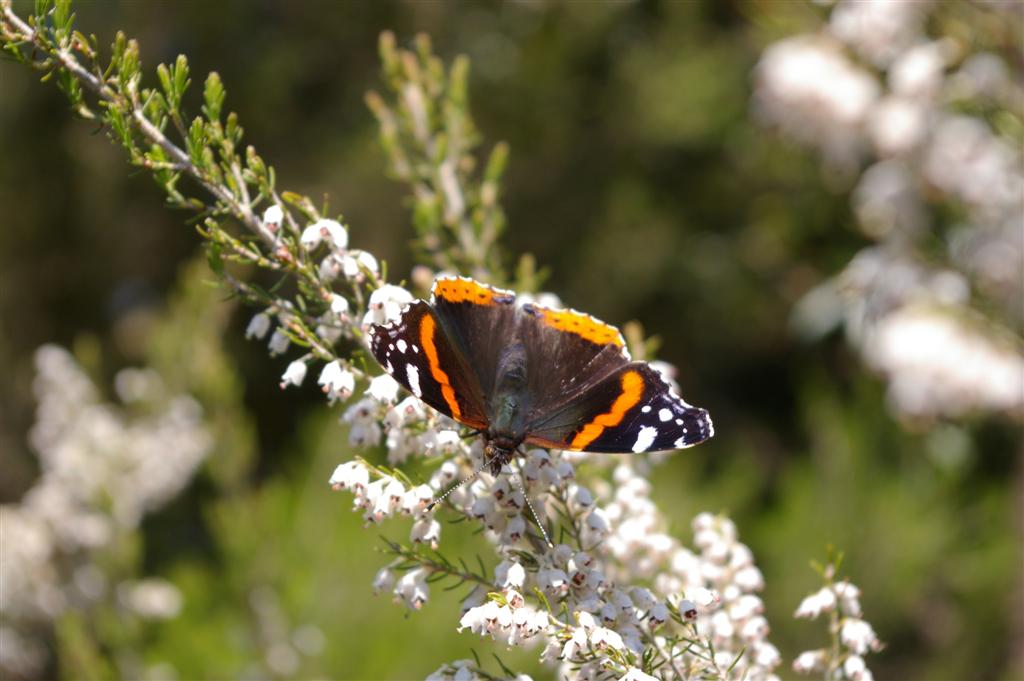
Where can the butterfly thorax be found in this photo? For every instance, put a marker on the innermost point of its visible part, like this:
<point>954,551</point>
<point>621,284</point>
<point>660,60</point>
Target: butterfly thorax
<point>508,407</point>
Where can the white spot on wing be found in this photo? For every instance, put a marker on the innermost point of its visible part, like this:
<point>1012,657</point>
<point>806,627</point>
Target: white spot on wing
<point>665,414</point>
<point>413,374</point>
<point>645,439</point>
<point>401,345</point>
<point>646,408</point>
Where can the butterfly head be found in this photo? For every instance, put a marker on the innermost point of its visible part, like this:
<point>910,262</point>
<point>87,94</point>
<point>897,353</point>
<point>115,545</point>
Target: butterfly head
<point>499,451</point>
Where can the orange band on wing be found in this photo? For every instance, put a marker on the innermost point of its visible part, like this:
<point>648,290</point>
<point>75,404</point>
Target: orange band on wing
<point>582,325</point>
<point>427,328</point>
<point>632,390</point>
<point>465,291</point>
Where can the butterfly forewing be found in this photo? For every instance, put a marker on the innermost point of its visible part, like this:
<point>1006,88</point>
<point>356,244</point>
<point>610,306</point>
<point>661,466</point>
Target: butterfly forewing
<point>417,352</point>
<point>479,321</point>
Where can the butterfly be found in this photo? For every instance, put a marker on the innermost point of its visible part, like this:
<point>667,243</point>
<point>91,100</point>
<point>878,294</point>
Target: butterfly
<point>528,374</point>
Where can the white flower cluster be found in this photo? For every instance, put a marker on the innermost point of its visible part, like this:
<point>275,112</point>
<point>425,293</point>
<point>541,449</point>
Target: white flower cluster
<point>935,361</point>
<point>854,636</point>
<point>903,113</point>
<point>103,468</point>
<point>464,670</point>
<point>613,617</point>
<point>356,267</point>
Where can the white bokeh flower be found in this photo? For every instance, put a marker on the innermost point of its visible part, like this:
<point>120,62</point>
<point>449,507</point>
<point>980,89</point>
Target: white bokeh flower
<point>295,374</point>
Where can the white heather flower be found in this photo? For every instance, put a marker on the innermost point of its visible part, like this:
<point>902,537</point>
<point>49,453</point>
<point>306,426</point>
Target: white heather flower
<point>258,326</point>
<point>336,381</point>
<point>416,499</point>
<point>354,264</point>
<point>295,374</point>
<point>918,72</point>
<point>386,304</point>
<point>815,94</point>
<point>324,230</point>
<point>886,199</point>
<point>849,598</point>
<point>658,615</point>
<point>383,388</point>
<point>810,661</point>
<point>939,366</point>
<point>820,601</point>
<point>365,427</point>
<point>688,609</point>
<point>703,597</point>
<point>515,529</point>
<point>854,667</point>
<point>553,580</point>
<point>384,580</point>
<point>412,588</point>
<point>426,531</point>
<point>896,126</point>
<point>510,574</point>
<point>755,628</point>
<point>749,578</point>
<point>602,637</point>
<point>966,160</point>
<point>410,410</point>
<point>273,215</point>
<point>279,343</point>
<point>634,674</point>
<point>514,599</point>
<point>766,655</point>
<point>352,475</point>
<point>858,635</point>
<point>878,30</point>
<point>151,598</point>
<point>339,305</point>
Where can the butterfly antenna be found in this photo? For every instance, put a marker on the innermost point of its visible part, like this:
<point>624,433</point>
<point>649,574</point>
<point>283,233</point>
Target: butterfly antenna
<point>529,504</point>
<point>459,484</point>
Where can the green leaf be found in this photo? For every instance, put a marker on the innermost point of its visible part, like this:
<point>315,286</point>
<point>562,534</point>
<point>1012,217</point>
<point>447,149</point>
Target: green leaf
<point>196,140</point>
<point>215,259</point>
<point>164,75</point>
<point>497,162</point>
<point>213,96</point>
<point>181,79</point>
<point>43,7</point>
<point>62,19</point>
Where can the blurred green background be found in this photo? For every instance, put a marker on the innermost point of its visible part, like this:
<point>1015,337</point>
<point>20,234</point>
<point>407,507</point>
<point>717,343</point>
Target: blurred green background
<point>638,177</point>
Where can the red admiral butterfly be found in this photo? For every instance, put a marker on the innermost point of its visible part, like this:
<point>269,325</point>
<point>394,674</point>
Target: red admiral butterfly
<point>530,374</point>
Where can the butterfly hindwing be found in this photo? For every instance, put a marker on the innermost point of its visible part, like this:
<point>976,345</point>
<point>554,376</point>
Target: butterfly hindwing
<point>417,352</point>
<point>632,409</point>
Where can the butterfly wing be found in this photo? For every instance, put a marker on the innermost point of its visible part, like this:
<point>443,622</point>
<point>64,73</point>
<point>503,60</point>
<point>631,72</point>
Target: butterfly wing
<point>569,353</point>
<point>631,409</point>
<point>480,322</point>
<point>417,351</point>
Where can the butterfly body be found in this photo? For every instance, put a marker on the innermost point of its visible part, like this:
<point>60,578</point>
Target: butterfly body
<point>527,374</point>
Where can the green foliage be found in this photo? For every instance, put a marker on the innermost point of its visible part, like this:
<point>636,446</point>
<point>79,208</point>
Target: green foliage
<point>430,138</point>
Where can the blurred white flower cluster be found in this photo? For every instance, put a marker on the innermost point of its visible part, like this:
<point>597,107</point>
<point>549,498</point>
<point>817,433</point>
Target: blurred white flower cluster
<point>852,636</point>
<point>914,119</point>
<point>103,467</point>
